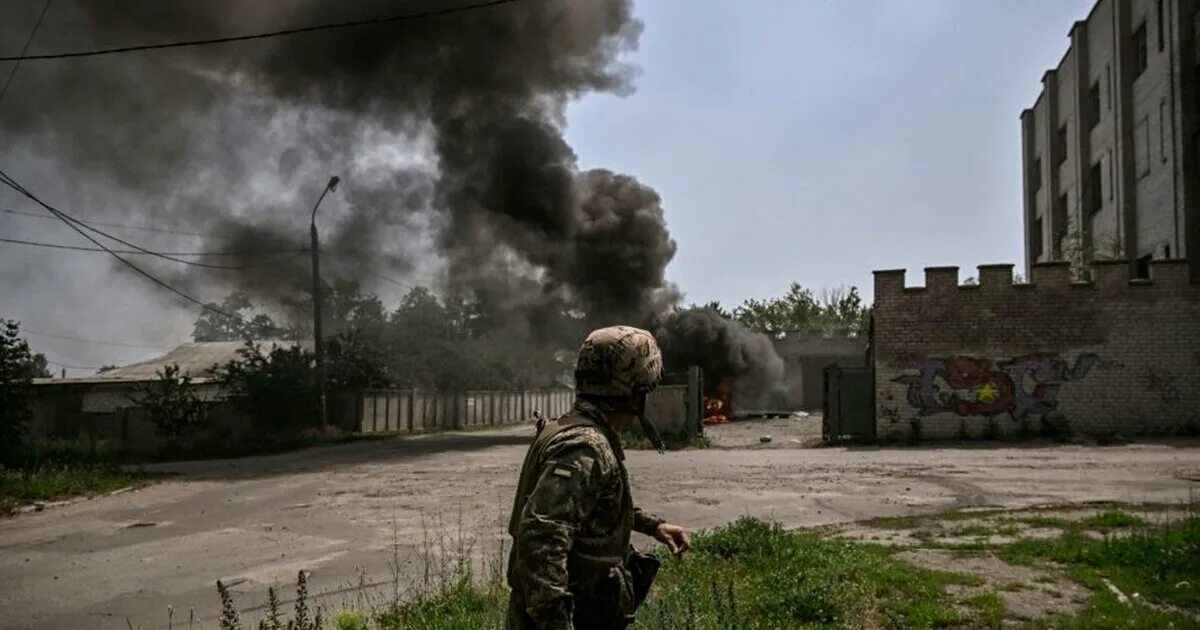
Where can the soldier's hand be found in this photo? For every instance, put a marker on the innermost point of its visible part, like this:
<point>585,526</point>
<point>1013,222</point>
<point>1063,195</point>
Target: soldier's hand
<point>674,538</point>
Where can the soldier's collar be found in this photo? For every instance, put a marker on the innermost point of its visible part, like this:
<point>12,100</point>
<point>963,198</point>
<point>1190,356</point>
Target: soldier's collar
<point>595,413</point>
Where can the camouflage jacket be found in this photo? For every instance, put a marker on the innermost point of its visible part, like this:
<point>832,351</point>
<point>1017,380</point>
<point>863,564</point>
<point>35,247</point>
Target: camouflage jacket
<point>572,517</point>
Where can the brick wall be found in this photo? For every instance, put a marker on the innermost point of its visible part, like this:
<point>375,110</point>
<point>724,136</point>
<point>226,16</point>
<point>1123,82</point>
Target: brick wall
<point>1110,356</point>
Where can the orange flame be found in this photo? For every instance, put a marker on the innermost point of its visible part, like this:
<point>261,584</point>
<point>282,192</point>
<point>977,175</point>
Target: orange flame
<point>719,406</point>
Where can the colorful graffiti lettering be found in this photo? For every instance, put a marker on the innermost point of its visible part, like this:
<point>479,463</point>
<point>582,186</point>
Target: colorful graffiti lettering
<point>969,386</point>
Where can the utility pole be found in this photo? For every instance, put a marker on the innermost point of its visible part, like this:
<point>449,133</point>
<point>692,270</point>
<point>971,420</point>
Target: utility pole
<point>318,346</point>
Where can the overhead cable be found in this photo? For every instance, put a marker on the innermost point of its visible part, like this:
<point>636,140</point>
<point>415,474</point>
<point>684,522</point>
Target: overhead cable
<point>11,183</point>
<point>270,34</point>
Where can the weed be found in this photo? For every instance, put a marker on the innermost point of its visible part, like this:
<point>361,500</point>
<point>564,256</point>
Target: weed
<point>273,621</point>
<point>52,482</point>
<point>350,621</point>
<point>1113,519</point>
<point>634,440</point>
<point>786,579</point>
<point>1160,564</point>
<point>229,614</point>
<point>990,607</point>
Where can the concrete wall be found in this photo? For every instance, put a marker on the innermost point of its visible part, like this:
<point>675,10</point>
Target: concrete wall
<point>417,411</point>
<point>1112,355</point>
<point>408,411</point>
<point>805,358</point>
<point>667,408</point>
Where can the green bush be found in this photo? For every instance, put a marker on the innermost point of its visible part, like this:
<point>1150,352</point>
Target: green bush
<point>171,403</point>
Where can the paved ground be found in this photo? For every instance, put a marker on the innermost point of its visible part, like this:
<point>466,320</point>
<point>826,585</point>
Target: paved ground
<point>337,511</point>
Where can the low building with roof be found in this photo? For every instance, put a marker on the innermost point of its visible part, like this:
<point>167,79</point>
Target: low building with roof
<point>105,405</point>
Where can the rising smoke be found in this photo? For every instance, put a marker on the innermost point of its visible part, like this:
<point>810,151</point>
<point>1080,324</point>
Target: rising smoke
<point>447,133</point>
<point>728,352</point>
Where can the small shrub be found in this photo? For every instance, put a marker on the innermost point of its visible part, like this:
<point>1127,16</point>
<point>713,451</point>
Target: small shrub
<point>230,620</point>
<point>171,403</point>
<point>350,621</point>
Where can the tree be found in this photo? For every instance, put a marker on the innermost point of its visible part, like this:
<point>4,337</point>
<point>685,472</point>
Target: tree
<point>715,307</point>
<point>246,326</point>
<point>800,310</point>
<point>38,367</point>
<point>17,369</point>
<point>275,388</point>
<point>351,362</point>
<point>171,403</point>
<point>1076,250</point>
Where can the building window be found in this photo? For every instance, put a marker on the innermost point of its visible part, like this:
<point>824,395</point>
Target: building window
<point>1141,55</point>
<point>1163,122</point>
<point>1141,147</point>
<point>1108,85</point>
<point>1062,204</point>
<point>1161,37</point>
<point>1060,148</point>
<point>1095,191</point>
<point>1035,178</point>
<point>1093,105</point>
<point>1142,269</point>
<point>1035,240</point>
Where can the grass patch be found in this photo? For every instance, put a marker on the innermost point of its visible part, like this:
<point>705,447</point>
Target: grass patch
<point>758,575</point>
<point>985,529</point>
<point>1113,519</point>
<point>913,522</point>
<point>21,487</point>
<point>1160,564</point>
<point>461,606</point>
<point>632,439</point>
<point>751,574</point>
<point>990,607</point>
<point>1047,521</point>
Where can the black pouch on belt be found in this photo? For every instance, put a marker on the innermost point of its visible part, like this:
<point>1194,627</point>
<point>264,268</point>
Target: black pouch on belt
<point>642,568</point>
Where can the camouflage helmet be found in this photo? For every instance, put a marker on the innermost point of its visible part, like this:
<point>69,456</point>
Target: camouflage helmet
<point>618,361</point>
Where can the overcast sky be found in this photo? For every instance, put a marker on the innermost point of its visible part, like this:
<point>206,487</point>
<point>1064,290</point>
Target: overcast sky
<point>791,140</point>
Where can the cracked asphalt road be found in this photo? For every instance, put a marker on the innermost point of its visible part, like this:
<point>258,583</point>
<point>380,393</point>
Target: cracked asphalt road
<point>356,510</point>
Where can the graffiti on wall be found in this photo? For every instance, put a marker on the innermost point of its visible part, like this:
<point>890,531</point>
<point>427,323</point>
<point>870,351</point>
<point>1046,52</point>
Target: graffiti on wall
<point>969,386</point>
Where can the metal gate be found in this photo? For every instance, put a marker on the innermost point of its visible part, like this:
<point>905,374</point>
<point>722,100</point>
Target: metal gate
<point>849,411</point>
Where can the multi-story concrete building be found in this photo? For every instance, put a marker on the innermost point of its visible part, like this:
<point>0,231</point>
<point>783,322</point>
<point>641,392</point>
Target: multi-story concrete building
<point>1111,148</point>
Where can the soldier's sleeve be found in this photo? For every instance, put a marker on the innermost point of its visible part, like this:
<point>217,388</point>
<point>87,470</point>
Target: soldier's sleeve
<point>571,482</point>
<point>645,523</point>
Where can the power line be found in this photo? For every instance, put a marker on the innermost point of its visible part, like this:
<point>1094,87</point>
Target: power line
<point>72,221</point>
<point>118,225</point>
<point>11,183</point>
<point>72,367</point>
<point>98,342</point>
<point>280,33</point>
<point>35,215</point>
<point>12,73</point>
<point>81,248</point>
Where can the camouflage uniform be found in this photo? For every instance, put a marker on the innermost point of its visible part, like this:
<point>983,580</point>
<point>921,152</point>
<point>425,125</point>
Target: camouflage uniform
<point>573,514</point>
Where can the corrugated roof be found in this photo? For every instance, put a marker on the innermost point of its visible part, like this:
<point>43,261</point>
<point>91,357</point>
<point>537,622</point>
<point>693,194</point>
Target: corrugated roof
<point>194,359</point>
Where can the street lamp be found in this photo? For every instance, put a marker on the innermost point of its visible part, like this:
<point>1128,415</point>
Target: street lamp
<point>318,347</point>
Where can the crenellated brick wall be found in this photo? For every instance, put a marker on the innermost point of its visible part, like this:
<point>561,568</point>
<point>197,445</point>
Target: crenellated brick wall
<point>1113,355</point>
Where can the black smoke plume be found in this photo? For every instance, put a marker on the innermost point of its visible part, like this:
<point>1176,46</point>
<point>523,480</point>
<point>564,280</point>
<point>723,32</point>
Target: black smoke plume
<point>728,352</point>
<point>447,133</point>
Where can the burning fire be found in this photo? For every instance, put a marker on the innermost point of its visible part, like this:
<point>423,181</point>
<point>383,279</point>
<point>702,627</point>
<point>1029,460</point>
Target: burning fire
<point>719,406</point>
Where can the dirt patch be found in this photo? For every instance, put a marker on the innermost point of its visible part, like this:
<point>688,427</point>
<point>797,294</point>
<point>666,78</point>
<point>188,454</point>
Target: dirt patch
<point>800,430</point>
<point>1028,593</point>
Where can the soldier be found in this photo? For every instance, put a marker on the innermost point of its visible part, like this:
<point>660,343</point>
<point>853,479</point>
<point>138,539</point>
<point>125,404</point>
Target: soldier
<point>571,564</point>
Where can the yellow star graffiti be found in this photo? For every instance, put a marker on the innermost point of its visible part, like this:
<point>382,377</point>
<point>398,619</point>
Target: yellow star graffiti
<point>987,394</point>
